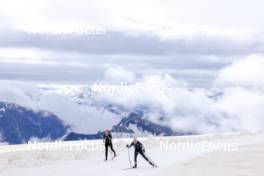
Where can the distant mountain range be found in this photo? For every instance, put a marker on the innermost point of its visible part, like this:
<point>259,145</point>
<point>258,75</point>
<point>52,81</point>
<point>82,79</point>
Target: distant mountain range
<point>132,126</point>
<point>19,124</point>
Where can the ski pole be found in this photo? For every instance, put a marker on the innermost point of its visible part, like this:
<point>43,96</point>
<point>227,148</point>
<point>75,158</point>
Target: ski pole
<point>129,157</point>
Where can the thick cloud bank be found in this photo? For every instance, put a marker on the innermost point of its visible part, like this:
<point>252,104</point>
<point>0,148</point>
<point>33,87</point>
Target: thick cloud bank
<point>237,105</point>
<point>244,73</point>
<point>243,99</point>
<point>81,118</point>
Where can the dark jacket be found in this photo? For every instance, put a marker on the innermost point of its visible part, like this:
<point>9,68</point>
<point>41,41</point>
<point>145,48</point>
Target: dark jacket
<point>108,139</point>
<point>138,146</point>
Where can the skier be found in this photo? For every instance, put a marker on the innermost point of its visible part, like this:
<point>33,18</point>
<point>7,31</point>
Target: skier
<point>139,149</point>
<point>107,139</point>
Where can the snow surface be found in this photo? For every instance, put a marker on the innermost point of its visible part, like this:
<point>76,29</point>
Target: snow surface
<point>20,160</point>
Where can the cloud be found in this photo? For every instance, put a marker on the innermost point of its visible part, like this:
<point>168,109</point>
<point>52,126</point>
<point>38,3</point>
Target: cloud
<point>20,93</point>
<point>119,74</point>
<point>243,86</point>
<point>183,108</point>
<point>163,96</point>
<point>238,108</point>
<point>245,73</point>
<point>162,45</point>
<point>244,107</point>
<point>141,52</point>
<point>159,31</point>
<point>121,13</point>
<point>158,38</point>
<point>31,64</point>
<point>121,42</point>
<point>81,118</point>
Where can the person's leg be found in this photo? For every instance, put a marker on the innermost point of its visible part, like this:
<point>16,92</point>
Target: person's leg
<point>106,151</point>
<point>111,147</point>
<point>135,159</point>
<point>146,158</point>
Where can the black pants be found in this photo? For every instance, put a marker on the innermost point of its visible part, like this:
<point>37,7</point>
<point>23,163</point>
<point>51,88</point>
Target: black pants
<point>142,154</point>
<point>106,149</point>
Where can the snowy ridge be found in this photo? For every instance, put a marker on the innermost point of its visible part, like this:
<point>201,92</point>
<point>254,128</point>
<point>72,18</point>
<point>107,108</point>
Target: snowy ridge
<point>134,125</point>
<point>19,157</point>
<point>19,124</point>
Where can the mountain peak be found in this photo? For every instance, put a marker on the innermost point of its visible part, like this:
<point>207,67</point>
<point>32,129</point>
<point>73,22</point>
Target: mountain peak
<point>19,124</point>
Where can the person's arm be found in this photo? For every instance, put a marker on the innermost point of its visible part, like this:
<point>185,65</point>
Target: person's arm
<point>128,146</point>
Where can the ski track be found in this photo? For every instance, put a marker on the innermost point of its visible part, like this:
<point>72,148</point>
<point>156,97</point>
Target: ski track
<point>17,160</point>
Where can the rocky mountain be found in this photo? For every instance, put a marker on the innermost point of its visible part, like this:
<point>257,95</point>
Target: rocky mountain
<point>19,124</point>
<point>132,126</point>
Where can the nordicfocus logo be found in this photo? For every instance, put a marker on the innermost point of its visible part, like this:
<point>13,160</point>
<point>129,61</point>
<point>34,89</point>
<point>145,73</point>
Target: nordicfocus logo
<point>129,88</point>
<point>71,31</point>
<point>199,146</point>
<point>65,146</point>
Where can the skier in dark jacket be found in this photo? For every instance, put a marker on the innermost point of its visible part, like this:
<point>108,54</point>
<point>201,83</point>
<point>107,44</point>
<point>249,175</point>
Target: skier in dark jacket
<point>107,138</point>
<point>139,149</point>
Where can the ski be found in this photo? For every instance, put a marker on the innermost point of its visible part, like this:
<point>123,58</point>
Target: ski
<point>114,156</point>
<point>129,168</point>
<point>154,165</point>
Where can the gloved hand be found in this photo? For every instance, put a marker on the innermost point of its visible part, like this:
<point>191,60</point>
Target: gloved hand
<point>143,150</point>
<point>127,146</point>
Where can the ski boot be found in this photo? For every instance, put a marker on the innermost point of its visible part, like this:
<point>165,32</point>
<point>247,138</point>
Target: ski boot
<point>152,164</point>
<point>135,166</point>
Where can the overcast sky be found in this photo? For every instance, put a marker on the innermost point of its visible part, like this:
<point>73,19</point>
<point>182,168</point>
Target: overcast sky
<point>50,41</point>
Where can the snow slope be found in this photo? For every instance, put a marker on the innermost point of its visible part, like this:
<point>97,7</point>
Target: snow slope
<point>19,160</point>
<point>247,161</point>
